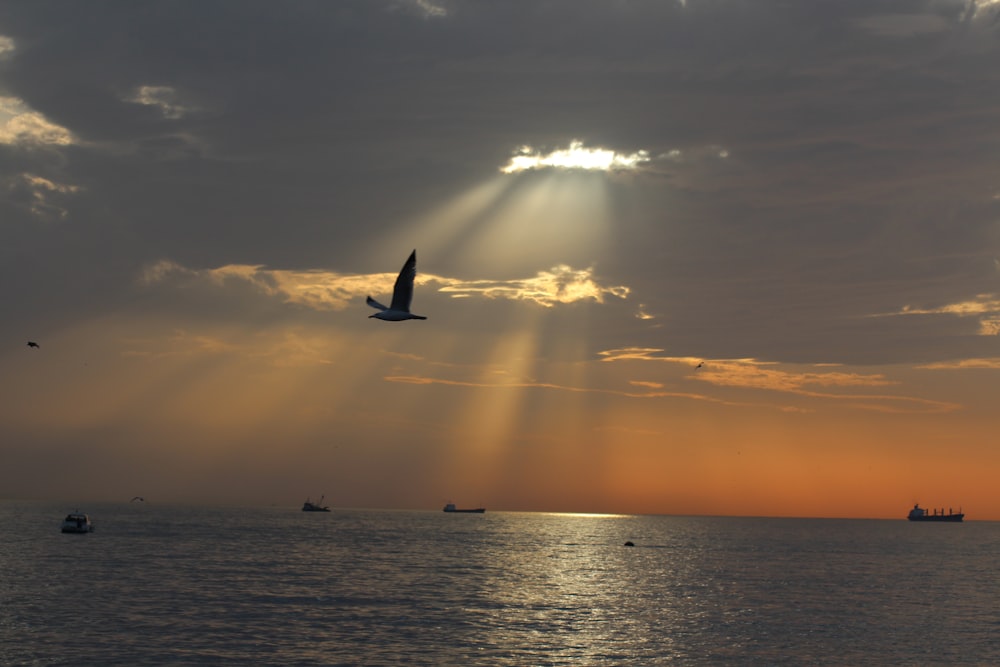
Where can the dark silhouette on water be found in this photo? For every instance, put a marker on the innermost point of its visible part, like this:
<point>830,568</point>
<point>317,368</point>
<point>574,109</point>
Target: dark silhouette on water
<point>32,343</point>
<point>450,507</point>
<point>309,506</point>
<point>918,513</point>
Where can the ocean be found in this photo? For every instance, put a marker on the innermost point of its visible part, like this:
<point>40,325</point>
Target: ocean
<point>158,585</point>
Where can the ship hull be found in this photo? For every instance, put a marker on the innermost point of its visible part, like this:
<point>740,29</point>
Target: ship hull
<point>946,518</point>
<point>451,508</point>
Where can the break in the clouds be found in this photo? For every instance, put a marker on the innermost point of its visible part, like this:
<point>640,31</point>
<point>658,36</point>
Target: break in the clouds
<point>576,156</point>
<point>325,290</point>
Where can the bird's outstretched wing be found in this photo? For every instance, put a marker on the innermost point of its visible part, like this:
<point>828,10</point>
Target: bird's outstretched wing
<point>375,304</point>
<point>402,291</point>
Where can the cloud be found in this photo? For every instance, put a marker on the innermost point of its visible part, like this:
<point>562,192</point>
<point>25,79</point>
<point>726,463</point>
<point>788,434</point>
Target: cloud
<point>748,372</point>
<point>752,374</point>
<point>983,303</point>
<point>757,375</point>
<point>577,156</point>
<point>984,306</point>
<point>319,290</point>
<point>646,384</point>
<point>7,46</point>
<point>964,364</point>
<point>712,151</point>
<point>42,192</point>
<point>327,290</point>
<point>561,284</point>
<point>642,314</point>
<point>164,98</point>
<point>431,9</point>
<point>639,353</point>
<point>20,125</point>
<point>428,9</point>
<point>40,196</point>
<point>40,183</point>
<point>983,9</point>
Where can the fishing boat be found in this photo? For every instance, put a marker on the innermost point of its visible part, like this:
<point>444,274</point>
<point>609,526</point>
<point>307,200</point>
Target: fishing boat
<point>309,506</point>
<point>450,507</point>
<point>918,513</point>
<point>77,522</point>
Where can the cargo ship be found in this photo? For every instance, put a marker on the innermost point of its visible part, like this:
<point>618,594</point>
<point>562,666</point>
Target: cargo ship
<point>918,513</point>
<point>450,507</point>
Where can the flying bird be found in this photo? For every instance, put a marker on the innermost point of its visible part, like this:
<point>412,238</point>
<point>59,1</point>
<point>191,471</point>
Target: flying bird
<point>32,343</point>
<point>402,295</point>
<point>139,498</point>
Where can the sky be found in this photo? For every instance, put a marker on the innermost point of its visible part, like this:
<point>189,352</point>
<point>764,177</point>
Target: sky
<point>711,257</point>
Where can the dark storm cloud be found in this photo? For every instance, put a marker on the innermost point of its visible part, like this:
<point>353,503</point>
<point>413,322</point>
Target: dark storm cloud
<point>817,162</point>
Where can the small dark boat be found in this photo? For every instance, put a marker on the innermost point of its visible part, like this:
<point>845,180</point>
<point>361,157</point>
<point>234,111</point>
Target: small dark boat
<point>918,513</point>
<point>77,522</point>
<point>450,507</point>
<point>309,506</point>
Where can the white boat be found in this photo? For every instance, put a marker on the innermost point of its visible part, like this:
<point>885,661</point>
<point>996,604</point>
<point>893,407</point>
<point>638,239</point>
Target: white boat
<point>77,522</point>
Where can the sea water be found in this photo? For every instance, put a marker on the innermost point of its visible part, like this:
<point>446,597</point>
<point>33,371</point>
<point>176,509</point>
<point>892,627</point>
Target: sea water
<point>157,585</point>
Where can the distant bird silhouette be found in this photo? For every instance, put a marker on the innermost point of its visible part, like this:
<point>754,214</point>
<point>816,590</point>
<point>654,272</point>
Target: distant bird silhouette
<point>32,343</point>
<point>700,364</point>
<point>402,295</point>
<point>139,498</point>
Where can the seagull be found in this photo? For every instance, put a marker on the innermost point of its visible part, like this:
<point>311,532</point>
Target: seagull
<point>139,498</point>
<point>32,343</point>
<point>402,295</point>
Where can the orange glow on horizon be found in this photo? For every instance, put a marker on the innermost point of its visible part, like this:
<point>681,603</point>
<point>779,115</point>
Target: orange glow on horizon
<point>409,416</point>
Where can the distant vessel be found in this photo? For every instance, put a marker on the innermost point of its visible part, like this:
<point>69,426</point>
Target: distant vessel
<point>309,506</point>
<point>77,522</point>
<point>450,507</point>
<point>918,513</point>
